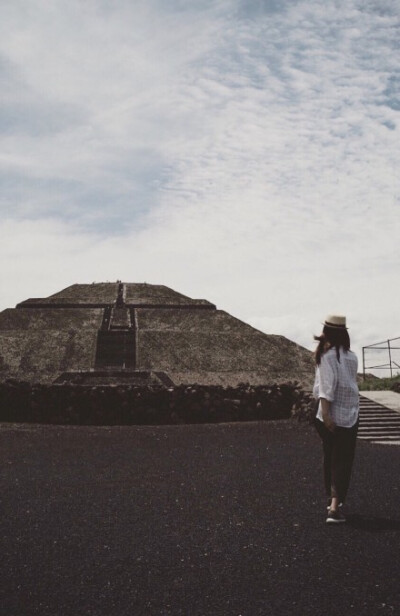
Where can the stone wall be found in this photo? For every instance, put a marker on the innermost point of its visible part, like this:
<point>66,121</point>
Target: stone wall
<point>127,405</point>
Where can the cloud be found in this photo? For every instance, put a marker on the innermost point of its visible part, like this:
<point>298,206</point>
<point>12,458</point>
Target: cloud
<point>242,151</point>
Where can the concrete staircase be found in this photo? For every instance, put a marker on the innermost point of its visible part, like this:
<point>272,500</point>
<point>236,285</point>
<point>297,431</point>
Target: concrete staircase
<point>378,424</point>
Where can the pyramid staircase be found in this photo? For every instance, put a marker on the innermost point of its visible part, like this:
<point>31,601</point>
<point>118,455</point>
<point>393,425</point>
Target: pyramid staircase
<point>378,424</point>
<point>116,339</point>
<point>115,348</point>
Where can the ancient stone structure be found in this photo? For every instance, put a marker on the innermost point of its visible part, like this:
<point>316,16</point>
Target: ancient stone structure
<point>126,332</point>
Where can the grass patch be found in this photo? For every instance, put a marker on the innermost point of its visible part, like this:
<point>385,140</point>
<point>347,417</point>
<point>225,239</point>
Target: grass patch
<point>374,383</point>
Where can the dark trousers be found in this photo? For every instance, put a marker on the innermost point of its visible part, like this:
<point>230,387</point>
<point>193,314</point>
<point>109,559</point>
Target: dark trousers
<point>338,447</point>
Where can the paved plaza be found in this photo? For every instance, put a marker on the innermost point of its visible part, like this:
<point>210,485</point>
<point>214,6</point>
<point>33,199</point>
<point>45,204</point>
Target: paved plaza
<point>200,520</point>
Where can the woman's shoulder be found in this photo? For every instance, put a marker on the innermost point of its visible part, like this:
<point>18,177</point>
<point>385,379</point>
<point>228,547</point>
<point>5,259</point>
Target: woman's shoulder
<point>349,353</point>
<point>331,354</point>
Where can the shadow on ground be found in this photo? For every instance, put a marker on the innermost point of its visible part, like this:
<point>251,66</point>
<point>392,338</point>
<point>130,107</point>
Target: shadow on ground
<point>372,524</point>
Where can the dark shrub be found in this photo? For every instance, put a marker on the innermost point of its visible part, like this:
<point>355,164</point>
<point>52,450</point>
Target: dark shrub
<point>141,405</point>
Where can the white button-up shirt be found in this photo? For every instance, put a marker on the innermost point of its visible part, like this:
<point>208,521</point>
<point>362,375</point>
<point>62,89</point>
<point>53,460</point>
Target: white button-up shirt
<point>337,382</point>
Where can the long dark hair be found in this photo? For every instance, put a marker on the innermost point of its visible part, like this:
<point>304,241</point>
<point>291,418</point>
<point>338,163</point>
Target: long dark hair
<point>331,337</point>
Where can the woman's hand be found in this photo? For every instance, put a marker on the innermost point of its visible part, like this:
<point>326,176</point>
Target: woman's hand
<point>329,424</point>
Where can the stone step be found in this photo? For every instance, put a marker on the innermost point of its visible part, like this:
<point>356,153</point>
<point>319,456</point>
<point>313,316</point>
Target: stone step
<point>385,442</point>
<point>378,437</point>
<point>371,416</point>
<point>369,409</point>
<point>382,428</point>
<point>378,424</point>
<point>374,407</point>
<point>368,431</point>
<point>382,417</point>
<point>377,410</point>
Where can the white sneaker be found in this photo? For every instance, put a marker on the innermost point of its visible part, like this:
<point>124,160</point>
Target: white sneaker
<point>335,517</point>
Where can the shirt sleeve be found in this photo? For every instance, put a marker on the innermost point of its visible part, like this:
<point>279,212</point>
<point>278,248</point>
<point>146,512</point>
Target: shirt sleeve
<point>328,377</point>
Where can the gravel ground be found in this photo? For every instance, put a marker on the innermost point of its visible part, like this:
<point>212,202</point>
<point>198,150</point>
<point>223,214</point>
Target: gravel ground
<point>199,520</point>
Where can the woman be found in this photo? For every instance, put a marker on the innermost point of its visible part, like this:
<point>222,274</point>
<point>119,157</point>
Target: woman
<point>336,390</point>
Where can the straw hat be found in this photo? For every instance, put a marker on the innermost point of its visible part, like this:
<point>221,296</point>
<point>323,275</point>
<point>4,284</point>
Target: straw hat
<point>336,320</point>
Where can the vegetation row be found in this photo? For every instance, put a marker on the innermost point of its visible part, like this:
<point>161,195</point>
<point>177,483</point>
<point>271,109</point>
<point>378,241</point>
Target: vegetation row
<point>374,383</point>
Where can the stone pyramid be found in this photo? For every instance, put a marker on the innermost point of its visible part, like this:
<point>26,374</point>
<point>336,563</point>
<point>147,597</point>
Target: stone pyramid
<point>121,332</point>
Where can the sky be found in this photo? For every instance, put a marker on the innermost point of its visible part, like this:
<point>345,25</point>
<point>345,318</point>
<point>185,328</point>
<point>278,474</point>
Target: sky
<point>240,151</point>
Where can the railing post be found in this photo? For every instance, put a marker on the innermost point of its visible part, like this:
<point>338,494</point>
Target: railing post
<point>363,356</point>
<point>390,359</point>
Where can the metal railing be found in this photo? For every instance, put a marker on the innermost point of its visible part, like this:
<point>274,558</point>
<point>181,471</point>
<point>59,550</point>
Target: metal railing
<point>390,353</point>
